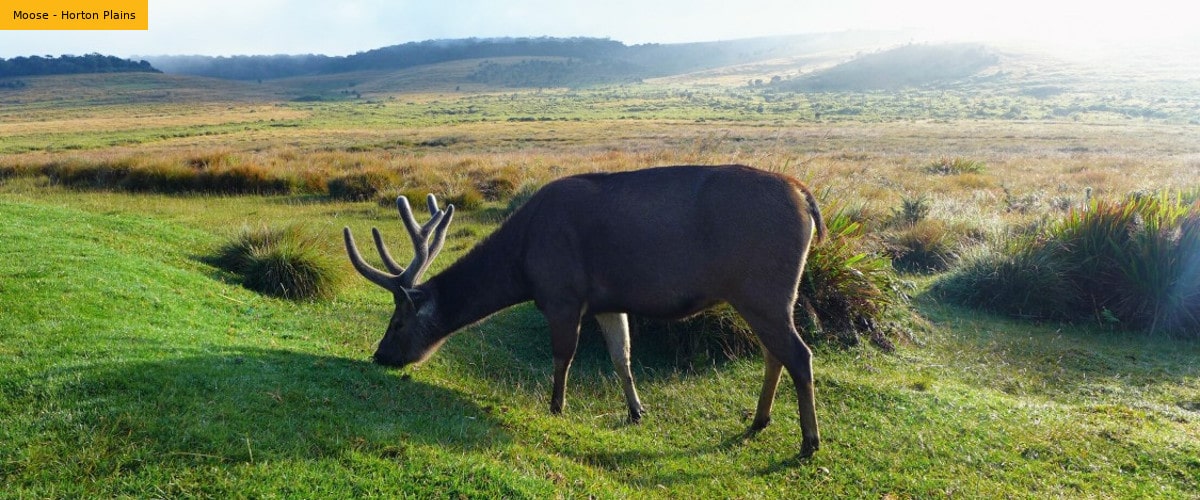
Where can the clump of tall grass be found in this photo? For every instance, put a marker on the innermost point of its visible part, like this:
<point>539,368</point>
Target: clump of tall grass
<point>848,292</point>
<point>928,246</point>
<point>522,195</point>
<point>467,198</point>
<point>954,166</point>
<point>716,334</point>
<point>289,263</point>
<point>1134,262</point>
<point>362,186</point>
<point>913,209</point>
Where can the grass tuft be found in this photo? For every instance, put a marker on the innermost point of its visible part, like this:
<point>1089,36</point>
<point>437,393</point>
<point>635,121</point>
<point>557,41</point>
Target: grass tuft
<point>286,263</point>
<point>1134,262</point>
<point>913,209</point>
<point>955,166</point>
<point>468,198</point>
<point>847,292</point>
<point>928,246</point>
<point>362,186</point>
<point>520,197</point>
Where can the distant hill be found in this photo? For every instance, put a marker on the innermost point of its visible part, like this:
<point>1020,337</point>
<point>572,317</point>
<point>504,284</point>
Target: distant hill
<point>71,65</point>
<point>907,66</point>
<point>580,61</point>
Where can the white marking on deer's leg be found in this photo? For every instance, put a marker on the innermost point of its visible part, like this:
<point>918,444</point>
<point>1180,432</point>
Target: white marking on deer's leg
<point>766,399</point>
<point>616,335</point>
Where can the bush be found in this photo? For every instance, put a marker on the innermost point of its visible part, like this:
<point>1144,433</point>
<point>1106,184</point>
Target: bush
<point>240,179</point>
<point>387,197</point>
<point>716,334</point>
<point>139,175</point>
<point>286,263</point>
<point>1135,263</point>
<point>1021,281</point>
<point>498,187</point>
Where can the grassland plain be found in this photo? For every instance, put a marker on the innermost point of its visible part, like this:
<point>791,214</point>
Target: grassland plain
<point>133,368</point>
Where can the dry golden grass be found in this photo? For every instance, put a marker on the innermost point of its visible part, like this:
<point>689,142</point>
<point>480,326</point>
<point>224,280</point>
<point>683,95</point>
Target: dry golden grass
<point>1031,167</point>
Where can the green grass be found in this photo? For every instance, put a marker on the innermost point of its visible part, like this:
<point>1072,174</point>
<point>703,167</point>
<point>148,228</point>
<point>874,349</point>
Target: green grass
<point>131,368</point>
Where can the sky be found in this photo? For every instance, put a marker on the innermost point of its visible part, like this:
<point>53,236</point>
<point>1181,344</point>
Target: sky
<point>246,27</point>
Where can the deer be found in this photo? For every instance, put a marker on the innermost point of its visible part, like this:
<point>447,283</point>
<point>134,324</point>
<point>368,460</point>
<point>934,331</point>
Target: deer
<point>664,242</point>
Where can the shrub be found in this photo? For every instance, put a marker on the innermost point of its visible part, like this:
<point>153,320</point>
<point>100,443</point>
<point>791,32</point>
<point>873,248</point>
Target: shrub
<point>1021,281</point>
<point>140,175</point>
<point>498,187</point>
<point>160,177</point>
<point>286,263</point>
<point>1134,262</point>
<point>241,179</point>
<point>926,247</point>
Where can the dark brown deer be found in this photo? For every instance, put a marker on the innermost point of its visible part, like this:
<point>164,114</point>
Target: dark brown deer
<point>664,242</point>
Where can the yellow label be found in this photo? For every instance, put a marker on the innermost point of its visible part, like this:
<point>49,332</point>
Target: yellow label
<point>74,14</point>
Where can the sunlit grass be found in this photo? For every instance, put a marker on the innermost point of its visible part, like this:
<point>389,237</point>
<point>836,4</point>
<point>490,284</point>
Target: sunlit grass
<point>219,391</point>
<point>133,368</point>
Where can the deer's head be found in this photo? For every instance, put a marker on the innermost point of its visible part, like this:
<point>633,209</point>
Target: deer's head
<point>413,332</point>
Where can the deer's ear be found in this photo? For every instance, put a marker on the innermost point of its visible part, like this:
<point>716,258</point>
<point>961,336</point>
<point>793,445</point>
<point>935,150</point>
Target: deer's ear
<point>410,299</point>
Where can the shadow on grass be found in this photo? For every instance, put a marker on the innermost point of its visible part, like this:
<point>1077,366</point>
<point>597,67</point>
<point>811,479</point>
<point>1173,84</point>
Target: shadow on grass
<point>1064,359</point>
<point>247,405</point>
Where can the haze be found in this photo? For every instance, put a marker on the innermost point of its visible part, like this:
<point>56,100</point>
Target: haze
<point>229,27</point>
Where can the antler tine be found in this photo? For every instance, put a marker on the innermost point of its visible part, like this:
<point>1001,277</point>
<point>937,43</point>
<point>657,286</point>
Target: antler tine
<point>431,201</point>
<point>385,280</point>
<point>439,235</point>
<point>384,254</point>
<point>410,222</point>
<point>423,250</point>
<point>436,216</point>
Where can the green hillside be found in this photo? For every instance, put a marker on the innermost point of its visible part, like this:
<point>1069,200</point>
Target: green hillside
<point>903,67</point>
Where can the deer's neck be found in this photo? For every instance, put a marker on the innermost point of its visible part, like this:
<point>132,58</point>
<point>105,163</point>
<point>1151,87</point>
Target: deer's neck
<point>481,283</point>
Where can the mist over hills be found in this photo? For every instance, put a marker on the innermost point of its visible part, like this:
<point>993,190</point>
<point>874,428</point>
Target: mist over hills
<point>575,60</point>
<point>851,61</point>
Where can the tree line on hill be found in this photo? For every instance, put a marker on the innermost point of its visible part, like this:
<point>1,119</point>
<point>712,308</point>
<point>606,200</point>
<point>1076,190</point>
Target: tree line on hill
<point>69,64</point>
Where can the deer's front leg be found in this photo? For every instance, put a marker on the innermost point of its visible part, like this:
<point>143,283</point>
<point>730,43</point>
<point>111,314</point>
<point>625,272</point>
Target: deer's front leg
<point>564,338</point>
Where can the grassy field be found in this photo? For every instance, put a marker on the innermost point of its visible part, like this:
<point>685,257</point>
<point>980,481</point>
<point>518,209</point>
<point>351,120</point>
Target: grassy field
<point>131,367</point>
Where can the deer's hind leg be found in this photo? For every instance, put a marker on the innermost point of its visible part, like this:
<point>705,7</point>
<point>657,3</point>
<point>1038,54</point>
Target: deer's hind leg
<point>781,341</point>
